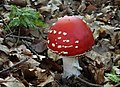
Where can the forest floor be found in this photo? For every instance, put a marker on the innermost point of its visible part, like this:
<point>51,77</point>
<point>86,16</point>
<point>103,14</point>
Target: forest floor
<point>25,59</point>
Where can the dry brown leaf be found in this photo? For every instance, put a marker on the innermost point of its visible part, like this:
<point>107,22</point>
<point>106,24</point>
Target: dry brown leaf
<point>49,64</point>
<point>29,74</point>
<point>39,45</point>
<point>18,2</point>
<point>104,58</point>
<point>90,8</point>
<point>1,26</point>
<point>35,33</point>
<point>1,40</point>
<point>32,63</point>
<point>56,2</point>
<point>3,59</point>
<point>117,2</point>
<point>44,77</point>
<point>24,50</point>
<point>109,85</point>
<point>4,48</point>
<point>44,9</point>
<point>12,82</point>
<point>42,2</point>
<point>82,7</point>
<point>53,55</point>
<point>20,51</point>
<point>2,81</point>
<point>116,59</point>
<point>97,72</point>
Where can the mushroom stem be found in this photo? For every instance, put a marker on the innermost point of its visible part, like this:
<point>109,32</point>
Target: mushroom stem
<point>70,66</point>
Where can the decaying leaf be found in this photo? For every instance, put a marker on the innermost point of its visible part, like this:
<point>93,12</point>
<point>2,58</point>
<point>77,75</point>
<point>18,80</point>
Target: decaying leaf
<point>116,60</point>
<point>1,40</point>
<point>53,55</point>
<point>2,81</point>
<point>82,7</point>
<point>117,70</point>
<point>35,33</point>
<point>24,50</point>
<point>18,2</point>
<point>39,45</point>
<point>3,60</point>
<point>103,18</point>
<point>109,85</point>
<point>117,2</point>
<point>1,26</point>
<point>32,63</point>
<point>44,77</point>
<point>105,58</point>
<point>42,2</point>
<point>20,51</point>
<point>44,9</point>
<point>49,64</point>
<point>97,72</point>
<point>12,82</point>
<point>4,48</point>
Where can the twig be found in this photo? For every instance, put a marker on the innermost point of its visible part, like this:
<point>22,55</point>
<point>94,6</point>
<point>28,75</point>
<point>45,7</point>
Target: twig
<point>18,38</point>
<point>31,49</point>
<point>18,63</point>
<point>21,37</point>
<point>5,24</point>
<point>118,84</point>
<point>86,82</point>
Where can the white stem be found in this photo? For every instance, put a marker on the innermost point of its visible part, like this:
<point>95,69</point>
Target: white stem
<point>70,66</point>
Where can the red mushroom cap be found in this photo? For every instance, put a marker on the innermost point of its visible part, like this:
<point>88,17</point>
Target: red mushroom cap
<point>70,36</point>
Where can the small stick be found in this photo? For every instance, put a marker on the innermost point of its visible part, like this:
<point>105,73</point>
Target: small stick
<point>21,37</point>
<point>18,63</point>
<point>18,38</point>
<point>31,49</point>
<point>86,82</point>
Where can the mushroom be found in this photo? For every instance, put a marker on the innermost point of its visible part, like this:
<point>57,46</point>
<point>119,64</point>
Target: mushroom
<point>70,37</point>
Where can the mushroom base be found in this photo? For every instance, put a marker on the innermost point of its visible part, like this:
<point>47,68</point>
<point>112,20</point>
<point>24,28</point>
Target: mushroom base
<point>70,67</point>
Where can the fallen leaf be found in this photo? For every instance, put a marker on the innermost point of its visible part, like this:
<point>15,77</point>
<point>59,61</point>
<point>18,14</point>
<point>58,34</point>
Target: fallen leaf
<point>18,2</point>
<point>117,70</point>
<point>39,45</point>
<point>4,48</point>
<point>82,7</point>
<point>117,2</point>
<point>109,85</point>
<point>97,73</point>
<point>3,59</point>
<point>104,58</point>
<point>12,82</point>
<point>29,74</point>
<point>44,77</point>
<point>90,8</point>
<point>23,50</point>
<point>49,64</point>
<point>35,33</point>
<point>42,2</point>
<point>32,63</point>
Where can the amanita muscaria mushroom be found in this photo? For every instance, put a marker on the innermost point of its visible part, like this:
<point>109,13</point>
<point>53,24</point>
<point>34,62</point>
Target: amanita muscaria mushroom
<point>69,37</point>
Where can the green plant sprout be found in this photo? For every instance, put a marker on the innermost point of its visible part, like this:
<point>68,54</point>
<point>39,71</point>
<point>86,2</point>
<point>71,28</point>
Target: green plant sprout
<point>113,76</point>
<point>25,17</point>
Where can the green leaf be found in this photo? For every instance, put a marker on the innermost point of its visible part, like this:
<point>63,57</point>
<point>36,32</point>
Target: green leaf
<point>40,23</point>
<point>14,22</point>
<point>26,16</point>
<point>114,78</point>
<point>13,12</point>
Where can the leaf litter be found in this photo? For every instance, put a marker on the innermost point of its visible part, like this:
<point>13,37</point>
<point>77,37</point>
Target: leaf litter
<point>25,60</point>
